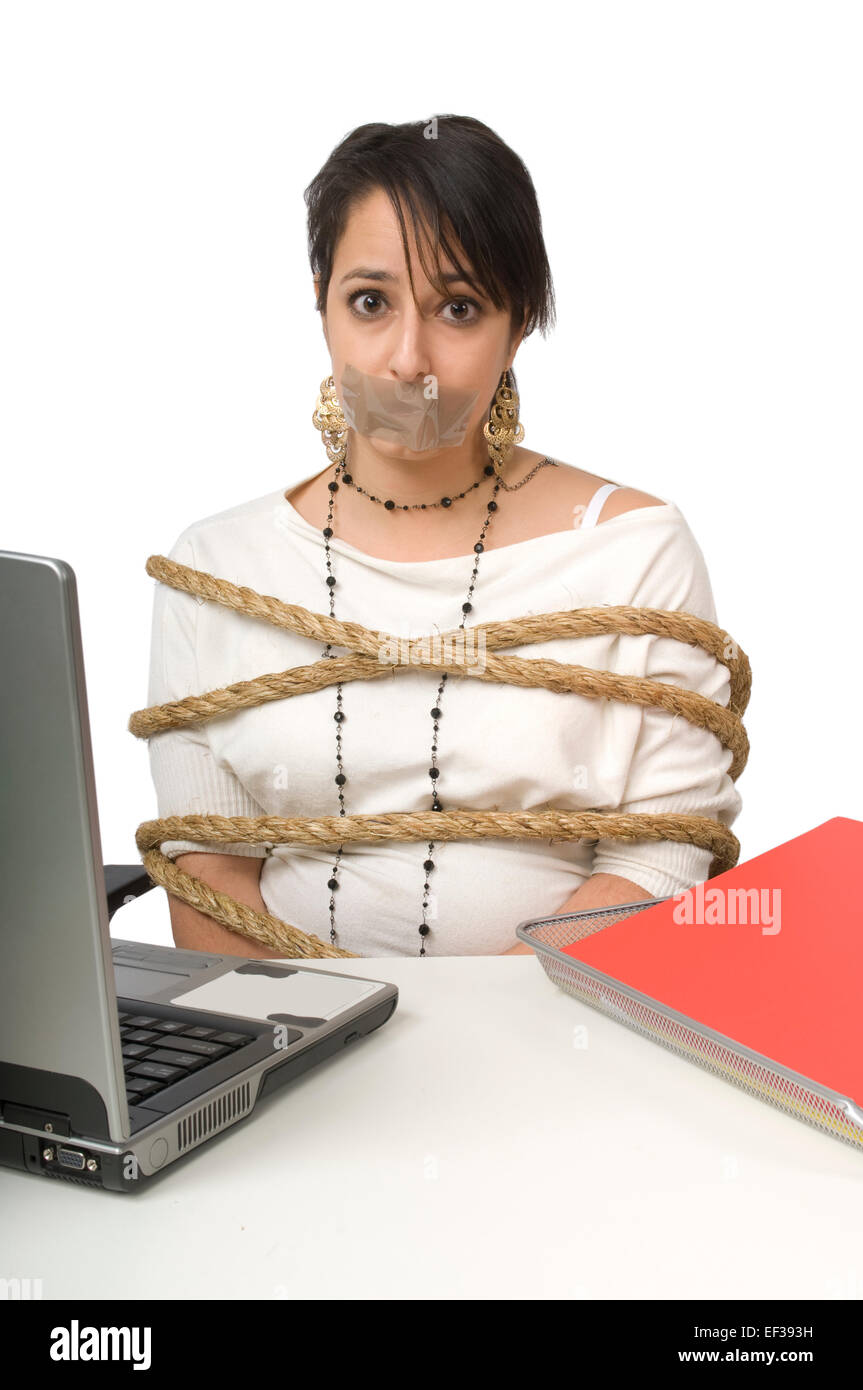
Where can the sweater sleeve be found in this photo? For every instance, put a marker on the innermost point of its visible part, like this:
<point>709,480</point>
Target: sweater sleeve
<point>186,776</point>
<point>674,766</point>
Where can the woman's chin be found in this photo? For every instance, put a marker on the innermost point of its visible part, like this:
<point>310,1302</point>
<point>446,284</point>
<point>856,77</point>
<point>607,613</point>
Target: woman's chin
<point>390,450</point>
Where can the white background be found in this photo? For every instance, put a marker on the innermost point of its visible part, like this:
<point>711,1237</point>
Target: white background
<point>698,172</point>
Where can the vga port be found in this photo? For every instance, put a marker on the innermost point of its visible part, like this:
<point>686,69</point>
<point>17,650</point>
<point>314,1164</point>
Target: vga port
<point>70,1158</point>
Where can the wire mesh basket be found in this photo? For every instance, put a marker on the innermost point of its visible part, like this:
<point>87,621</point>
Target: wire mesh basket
<point>753,1072</point>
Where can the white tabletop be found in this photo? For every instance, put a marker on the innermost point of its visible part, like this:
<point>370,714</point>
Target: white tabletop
<point>481,1144</point>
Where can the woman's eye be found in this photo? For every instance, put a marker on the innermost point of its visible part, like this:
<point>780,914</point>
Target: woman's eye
<point>460,318</point>
<point>364,294</point>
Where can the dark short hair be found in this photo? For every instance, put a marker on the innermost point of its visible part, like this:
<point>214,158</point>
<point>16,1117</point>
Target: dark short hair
<point>465,188</point>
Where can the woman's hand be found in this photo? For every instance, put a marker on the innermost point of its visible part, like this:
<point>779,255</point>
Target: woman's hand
<point>600,890</point>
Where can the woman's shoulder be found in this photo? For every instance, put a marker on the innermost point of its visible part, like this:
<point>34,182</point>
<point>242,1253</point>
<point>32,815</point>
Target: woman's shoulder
<point>576,488</point>
<point>229,529</point>
<point>657,565</point>
<point>564,493</point>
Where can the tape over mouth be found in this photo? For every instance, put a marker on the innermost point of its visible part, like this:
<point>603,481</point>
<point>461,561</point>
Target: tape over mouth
<point>418,415</point>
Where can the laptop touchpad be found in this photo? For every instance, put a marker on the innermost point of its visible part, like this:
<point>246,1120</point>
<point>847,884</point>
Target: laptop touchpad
<point>133,983</point>
<point>298,992</point>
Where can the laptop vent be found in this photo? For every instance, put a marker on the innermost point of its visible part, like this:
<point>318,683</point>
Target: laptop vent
<point>216,1114</point>
<point>72,1177</point>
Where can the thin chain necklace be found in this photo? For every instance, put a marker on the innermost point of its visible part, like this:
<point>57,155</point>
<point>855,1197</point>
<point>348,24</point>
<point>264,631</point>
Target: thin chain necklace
<point>436,712</point>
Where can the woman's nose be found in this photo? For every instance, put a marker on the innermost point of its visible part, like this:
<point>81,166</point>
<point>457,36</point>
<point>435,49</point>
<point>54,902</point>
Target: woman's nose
<point>409,351</point>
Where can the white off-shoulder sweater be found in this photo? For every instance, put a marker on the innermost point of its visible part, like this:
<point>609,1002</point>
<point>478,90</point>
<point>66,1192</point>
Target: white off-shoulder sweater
<point>500,746</point>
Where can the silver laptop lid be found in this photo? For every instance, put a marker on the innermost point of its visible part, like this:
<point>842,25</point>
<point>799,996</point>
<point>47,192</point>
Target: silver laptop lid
<point>59,1031</point>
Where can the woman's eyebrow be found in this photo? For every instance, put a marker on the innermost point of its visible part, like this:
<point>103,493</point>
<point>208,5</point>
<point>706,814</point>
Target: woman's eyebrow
<point>362,272</point>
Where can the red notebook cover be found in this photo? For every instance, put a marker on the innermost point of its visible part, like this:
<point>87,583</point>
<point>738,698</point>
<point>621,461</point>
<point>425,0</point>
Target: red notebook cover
<point>784,979</point>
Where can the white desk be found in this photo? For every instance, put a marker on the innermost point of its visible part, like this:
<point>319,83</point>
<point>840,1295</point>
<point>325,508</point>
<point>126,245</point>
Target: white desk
<point>468,1149</point>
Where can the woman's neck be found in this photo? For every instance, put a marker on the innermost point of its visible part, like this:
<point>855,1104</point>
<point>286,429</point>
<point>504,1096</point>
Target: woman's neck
<point>413,480</point>
<point>436,531</point>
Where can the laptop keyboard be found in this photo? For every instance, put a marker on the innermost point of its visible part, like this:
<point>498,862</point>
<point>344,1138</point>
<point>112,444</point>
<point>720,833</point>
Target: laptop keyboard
<point>157,1052</point>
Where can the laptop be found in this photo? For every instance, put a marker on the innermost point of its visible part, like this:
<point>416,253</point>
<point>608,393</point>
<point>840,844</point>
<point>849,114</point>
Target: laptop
<point>118,1059</point>
<point>755,974</point>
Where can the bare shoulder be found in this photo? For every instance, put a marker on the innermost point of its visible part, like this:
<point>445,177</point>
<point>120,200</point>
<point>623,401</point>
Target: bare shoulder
<point>577,488</point>
<point>627,499</point>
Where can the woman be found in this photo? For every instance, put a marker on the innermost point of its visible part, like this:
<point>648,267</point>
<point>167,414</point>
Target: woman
<point>430,270</point>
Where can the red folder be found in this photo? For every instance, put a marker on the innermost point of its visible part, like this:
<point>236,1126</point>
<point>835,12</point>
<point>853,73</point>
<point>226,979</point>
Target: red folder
<point>756,973</point>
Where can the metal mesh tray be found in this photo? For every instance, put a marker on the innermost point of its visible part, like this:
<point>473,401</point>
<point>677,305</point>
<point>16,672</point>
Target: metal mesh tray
<point>753,1072</point>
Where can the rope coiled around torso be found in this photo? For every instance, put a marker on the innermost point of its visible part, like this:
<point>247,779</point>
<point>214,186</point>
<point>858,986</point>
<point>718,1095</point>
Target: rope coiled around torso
<point>364,663</point>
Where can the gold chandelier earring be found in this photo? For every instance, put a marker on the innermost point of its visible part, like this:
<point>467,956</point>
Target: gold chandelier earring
<point>329,419</point>
<point>503,429</point>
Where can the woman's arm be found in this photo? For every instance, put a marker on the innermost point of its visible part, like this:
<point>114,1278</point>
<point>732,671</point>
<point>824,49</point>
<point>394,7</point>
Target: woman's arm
<point>600,890</point>
<point>240,876</point>
<point>235,874</point>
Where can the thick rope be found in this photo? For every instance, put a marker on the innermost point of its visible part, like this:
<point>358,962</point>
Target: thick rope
<point>442,651</point>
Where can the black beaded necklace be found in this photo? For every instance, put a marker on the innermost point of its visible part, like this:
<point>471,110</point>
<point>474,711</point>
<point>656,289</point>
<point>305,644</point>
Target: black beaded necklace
<point>436,712</point>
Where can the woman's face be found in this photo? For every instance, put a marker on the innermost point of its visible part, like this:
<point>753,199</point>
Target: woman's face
<point>373,323</point>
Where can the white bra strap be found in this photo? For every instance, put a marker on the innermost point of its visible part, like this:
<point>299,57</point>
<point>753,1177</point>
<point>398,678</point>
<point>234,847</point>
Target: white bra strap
<point>596,503</point>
